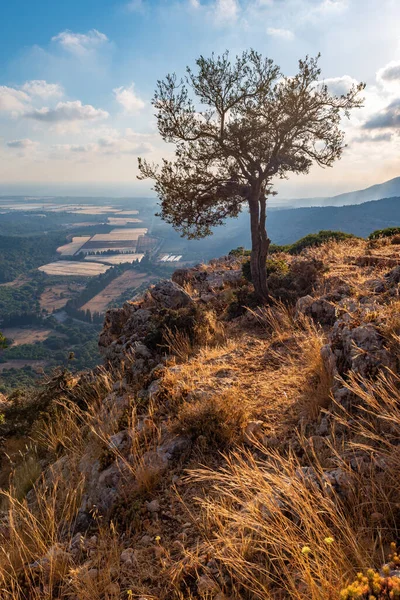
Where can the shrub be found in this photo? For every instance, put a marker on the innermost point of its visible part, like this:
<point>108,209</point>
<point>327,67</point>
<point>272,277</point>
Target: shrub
<point>244,297</point>
<point>300,280</point>
<point>240,251</point>
<point>195,324</point>
<point>317,239</point>
<point>219,420</point>
<point>381,233</point>
<point>277,266</point>
<point>395,239</point>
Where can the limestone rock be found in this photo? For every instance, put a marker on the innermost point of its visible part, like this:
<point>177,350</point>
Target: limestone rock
<point>168,294</point>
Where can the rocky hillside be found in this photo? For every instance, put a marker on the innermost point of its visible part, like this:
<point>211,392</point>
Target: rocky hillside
<point>225,450</point>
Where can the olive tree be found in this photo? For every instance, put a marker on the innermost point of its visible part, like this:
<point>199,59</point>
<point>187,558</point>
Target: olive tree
<point>236,125</point>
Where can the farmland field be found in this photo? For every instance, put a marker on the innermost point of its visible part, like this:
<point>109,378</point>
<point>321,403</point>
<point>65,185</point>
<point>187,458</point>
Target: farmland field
<point>72,247</point>
<point>115,259</point>
<point>18,363</point>
<point>55,297</point>
<point>127,280</point>
<point>21,335</point>
<point>69,268</point>
<point>120,234</point>
<point>117,221</point>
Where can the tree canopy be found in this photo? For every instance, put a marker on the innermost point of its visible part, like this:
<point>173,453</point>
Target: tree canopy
<point>236,125</point>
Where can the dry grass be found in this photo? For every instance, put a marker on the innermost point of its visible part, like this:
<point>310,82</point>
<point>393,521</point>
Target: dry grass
<point>31,532</point>
<point>261,527</point>
<point>218,421</point>
<point>271,531</point>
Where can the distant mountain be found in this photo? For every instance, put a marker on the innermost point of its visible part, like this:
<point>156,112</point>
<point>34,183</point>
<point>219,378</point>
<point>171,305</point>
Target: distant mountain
<point>388,189</point>
<point>285,227</point>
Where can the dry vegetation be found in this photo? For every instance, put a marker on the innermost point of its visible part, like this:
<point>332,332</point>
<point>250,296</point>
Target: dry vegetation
<point>284,492</point>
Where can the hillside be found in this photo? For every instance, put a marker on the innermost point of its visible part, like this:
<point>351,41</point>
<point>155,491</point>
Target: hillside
<point>387,189</point>
<point>285,226</point>
<point>221,452</point>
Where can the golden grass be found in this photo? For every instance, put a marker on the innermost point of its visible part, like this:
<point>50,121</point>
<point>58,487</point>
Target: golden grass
<point>260,528</point>
<point>274,533</point>
<point>218,420</point>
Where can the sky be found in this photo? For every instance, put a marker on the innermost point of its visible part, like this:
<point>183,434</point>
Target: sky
<point>77,79</point>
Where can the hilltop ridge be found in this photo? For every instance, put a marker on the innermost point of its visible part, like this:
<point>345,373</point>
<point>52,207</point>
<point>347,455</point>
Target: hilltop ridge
<point>225,450</point>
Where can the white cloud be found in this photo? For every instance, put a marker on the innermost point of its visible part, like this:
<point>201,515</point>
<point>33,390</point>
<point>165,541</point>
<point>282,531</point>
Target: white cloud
<point>389,73</point>
<point>22,144</point>
<point>389,118</point>
<point>127,98</point>
<point>12,100</point>
<point>68,111</point>
<point>364,138</point>
<point>225,11</point>
<point>340,86</point>
<point>331,6</point>
<point>112,143</point>
<point>123,145</point>
<point>194,3</point>
<point>284,34</point>
<point>80,43</point>
<point>39,87</point>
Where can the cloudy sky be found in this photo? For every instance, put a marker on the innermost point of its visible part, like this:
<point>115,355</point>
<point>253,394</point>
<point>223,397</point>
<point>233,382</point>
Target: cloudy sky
<point>77,80</point>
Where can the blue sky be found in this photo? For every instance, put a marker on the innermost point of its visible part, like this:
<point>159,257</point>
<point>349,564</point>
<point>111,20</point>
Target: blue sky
<point>77,79</point>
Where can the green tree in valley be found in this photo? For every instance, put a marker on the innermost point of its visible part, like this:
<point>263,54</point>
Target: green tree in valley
<point>236,126</point>
<point>3,341</point>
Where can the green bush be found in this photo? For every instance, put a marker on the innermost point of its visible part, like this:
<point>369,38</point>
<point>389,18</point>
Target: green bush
<point>381,233</point>
<point>301,279</point>
<point>244,297</point>
<point>279,267</point>
<point>240,251</point>
<point>196,323</point>
<point>317,239</point>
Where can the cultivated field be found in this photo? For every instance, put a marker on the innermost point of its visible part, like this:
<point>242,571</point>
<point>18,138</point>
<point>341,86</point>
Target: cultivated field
<point>56,296</point>
<point>115,259</point>
<point>67,268</point>
<point>120,234</point>
<point>21,336</point>
<point>18,363</point>
<point>127,280</point>
<point>119,222</point>
<point>72,247</point>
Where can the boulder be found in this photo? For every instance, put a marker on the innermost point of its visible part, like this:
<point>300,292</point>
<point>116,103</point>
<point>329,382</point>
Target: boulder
<point>168,294</point>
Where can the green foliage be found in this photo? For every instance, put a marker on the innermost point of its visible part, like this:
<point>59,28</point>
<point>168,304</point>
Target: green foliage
<point>239,251</point>
<point>301,279</point>
<point>79,339</point>
<point>317,239</point>
<point>3,341</point>
<point>308,241</point>
<point>20,305</point>
<point>382,233</point>
<point>243,298</point>
<point>279,267</point>
<point>18,255</point>
<point>194,323</point>
<point>274,248</point>
<point>286,283</point>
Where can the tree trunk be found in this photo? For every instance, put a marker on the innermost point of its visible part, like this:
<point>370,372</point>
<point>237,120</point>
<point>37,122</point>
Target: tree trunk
<point>259,246</point>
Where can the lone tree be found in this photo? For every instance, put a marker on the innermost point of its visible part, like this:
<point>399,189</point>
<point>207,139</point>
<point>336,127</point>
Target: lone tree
<point>250,124</point>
